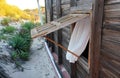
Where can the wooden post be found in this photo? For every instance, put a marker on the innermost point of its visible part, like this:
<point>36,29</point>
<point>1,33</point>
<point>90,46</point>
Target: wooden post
<point>95,43</point>
<point>59,33</point>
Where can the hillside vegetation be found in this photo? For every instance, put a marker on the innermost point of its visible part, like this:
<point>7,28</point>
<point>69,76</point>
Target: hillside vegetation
<point>13,12</point>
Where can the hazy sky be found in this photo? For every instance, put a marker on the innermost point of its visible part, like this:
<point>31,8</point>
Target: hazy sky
<point>24,4</point>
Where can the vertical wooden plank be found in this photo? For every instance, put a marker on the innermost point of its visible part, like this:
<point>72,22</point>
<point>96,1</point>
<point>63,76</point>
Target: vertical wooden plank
<point>59,32</point>
<point>49,17</point>
<point>73,65</point>
<point>46,11</point>
<point>73,3</point>
<point>97,22</point>
<point>73,70</point>
<point>49,10</point>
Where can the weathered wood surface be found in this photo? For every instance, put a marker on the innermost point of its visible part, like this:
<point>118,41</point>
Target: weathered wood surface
<point>95,43</point>
<point>112,1</point>
<point>110,48</point>
<point>64,11</point>
<point>58,24</point>
<point>49,17</point>
<point>66,31</point>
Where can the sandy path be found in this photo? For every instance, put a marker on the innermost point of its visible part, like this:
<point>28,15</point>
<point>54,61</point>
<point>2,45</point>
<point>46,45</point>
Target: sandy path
<point>39,65</point>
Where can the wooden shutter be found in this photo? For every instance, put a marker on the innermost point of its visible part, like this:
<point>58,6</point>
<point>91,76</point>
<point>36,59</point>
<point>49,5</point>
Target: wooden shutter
<point>57,24</point>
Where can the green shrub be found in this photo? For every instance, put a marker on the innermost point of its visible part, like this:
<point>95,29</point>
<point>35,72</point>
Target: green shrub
<point>18,43</point>
<point>5,21</point>
<point>24,55</point>
<point>21,42</point>
<point>21,47</point>
<point>8,29</point>
<point>14,55</point>
<point>28,26</point>
<point>2,37</point>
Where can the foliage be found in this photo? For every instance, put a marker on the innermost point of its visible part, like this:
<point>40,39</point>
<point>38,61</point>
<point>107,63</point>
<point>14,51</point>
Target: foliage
<point>2,37</point>
<point>5,21</point>
<point>27,26</point>
<point>18,43</point>
<point>24,55</point>
<point>16,14</point>
<point>21,42</point>
<point>12,11</point>
<point>8,29</point>
<point>14,55</point>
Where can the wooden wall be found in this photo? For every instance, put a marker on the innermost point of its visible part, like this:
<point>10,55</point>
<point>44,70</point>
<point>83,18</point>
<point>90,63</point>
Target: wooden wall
<point>63,36</point>
<point>110,47</point>
<point>105,39</point>
<point>108,60</point>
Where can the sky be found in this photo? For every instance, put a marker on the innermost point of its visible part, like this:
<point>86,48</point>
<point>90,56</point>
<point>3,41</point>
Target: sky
<point>25,4</point>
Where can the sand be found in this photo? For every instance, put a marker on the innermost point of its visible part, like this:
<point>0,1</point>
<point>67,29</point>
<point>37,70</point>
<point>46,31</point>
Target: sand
<point>39,65</point>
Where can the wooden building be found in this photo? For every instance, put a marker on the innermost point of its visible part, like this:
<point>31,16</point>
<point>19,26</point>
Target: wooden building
<point>101,58</point>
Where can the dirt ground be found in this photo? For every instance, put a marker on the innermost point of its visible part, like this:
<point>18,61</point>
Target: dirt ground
<point>39,65</point>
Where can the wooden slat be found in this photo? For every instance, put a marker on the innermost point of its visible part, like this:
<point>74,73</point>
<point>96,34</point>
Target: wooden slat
<point>112,1</point>
<point>112,13</point>
<point>109,7</point>
<point>111,57</point>
<point>114,47</point>
<point>112,26</point>
<point>83,64</point>
<point>112,68</point>
<point>111,35</point>
<point>51,27</point>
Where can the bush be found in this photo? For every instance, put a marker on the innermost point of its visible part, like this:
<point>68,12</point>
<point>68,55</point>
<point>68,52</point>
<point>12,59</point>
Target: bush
<point>18,43</point>
<point>8,29</point>
<point>21,42</point>
<point>2,37</point>
<point>21,47</point>
<point>5,21</point>
<point>28,26</point>
<point>24,55</point>
<point>14,55</point>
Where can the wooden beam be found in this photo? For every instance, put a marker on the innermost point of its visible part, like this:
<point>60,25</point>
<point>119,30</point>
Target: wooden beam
<point>97,23</point>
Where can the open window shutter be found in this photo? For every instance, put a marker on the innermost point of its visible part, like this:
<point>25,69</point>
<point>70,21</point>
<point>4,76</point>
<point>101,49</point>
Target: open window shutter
<point>57,24</point>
